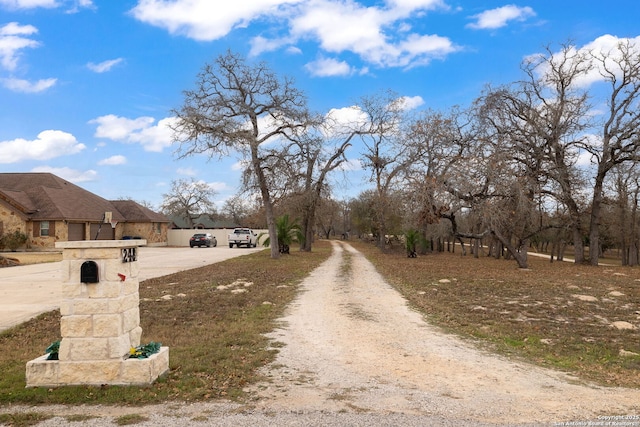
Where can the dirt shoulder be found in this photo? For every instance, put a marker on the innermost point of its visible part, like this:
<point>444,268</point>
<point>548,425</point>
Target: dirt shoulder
<point>352,343</point>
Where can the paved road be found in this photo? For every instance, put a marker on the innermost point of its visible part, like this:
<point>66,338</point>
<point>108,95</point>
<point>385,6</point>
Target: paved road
<point>29,290</point>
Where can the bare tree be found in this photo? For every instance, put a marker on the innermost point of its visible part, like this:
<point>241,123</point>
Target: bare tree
<point>543,119</point>
<point>188,200</point>
<point>440,141</point>
<point>625,186</point>
<point>385,155</point>
<point>241,107</point>
<point>620,138</point>
<point>318,155</point>
<point>237,209</point>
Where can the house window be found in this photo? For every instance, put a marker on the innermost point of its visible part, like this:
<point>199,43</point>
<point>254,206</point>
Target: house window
<point>158,227</point>
<point>44,228</point>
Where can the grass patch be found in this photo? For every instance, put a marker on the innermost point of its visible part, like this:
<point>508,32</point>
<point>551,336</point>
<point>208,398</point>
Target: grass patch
<point>347,264</point>
<point>77,418</point>
<point>539,314</point>
<point>130,419</point>
<point>215,336</point>
<point>23,419</point>
<point>34,257</point>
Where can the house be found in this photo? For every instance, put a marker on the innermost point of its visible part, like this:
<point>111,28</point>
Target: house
<point>203,221</point>
<point>49,209</point>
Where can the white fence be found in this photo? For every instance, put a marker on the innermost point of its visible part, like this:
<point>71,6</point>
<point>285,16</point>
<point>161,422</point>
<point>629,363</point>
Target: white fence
<point>181,237</point>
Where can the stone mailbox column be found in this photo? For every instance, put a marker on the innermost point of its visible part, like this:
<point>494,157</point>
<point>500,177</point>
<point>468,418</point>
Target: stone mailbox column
<point>100,320</point>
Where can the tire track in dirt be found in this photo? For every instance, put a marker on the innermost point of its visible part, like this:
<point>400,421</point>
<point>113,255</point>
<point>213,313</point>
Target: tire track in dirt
<point>351,343</point>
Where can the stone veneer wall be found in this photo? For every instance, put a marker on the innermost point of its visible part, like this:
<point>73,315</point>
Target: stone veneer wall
<point>146,230</point>
<point>99,323</point>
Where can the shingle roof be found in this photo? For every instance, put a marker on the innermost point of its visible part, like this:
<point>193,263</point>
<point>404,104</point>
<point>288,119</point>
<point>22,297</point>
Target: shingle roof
<point>137,213</point>
<point>203,221</point>
<point>44,196</point>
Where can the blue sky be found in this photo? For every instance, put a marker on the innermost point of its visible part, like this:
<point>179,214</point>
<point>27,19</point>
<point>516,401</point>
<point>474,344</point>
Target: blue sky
<point>86,86</point>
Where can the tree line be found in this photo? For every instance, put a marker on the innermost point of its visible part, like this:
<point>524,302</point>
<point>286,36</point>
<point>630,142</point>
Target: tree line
<point>549,160</point>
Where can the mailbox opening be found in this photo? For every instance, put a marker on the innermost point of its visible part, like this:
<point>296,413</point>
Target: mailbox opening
<point>89,272</point>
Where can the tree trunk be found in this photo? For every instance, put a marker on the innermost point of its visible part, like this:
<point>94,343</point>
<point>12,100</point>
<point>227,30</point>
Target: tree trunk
<point>267,203</point>
<point>578,245</point>
<point>307,229</point>
<point>561,247</point>
<point>594,223</point>
<point>519,256</point>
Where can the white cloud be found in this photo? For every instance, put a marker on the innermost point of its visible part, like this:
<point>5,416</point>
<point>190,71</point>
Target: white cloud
<point>113,161</point>
<point>204,19</point>
<point>324,67</point>
<point>12,41</point>
<point>240,165</point>
<point>119,128</point>
<point>368,31</point>
<point>417,50</point>
<point>187,171</point>
<point>499,17</point>
<point>104,66</point>
<point>417,4</point>
<point>79,4</point>
<point>25,86</point>
<point>342,27</point>
<point>604,46</point>
<point>48,145</point>
<point>143,131</point>
<point>28,4</point>
<point>69,174</point>
<point>346,115</point>
<point>49,4</point>
<point>260,45</point>
<point>343,121</point>
<point>351,165</point>
<point>293,50</point>
<point>13,29</point>
<point>411,102</point>
<point>379,35</point>
<point>218,186</point>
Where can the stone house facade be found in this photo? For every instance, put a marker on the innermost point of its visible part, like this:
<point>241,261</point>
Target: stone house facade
<point>49,209</point>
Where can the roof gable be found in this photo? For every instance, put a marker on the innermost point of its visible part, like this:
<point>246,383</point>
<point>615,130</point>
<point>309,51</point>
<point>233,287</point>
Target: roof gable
<point>135,212</point>
<point>44,196</point>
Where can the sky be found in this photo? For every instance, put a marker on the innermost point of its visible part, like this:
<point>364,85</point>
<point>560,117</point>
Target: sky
<point>87,86</point>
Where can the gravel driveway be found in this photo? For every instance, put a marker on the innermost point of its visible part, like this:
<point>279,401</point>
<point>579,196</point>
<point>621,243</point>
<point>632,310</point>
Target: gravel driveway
<point>355,354</point>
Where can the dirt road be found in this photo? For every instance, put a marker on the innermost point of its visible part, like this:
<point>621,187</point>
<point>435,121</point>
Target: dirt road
<point>352,343</point>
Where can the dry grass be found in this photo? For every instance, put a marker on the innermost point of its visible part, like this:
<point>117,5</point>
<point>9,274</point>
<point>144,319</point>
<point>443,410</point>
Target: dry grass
<point>34,257</point>
<point>215,335</point>
<point>213,319</point>
<point>553,314</point>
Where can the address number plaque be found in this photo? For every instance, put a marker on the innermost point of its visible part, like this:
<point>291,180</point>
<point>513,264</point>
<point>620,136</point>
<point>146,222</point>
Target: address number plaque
<point>129,255</point>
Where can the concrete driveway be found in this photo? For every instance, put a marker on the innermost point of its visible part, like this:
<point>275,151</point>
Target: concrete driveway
<point>29,290</point>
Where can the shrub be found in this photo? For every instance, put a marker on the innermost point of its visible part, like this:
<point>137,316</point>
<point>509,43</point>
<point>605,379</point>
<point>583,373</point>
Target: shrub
<point>411,238</point>
<point>14,240</point>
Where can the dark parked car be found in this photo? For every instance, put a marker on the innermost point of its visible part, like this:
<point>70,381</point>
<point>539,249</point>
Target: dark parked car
<point>203,239</point>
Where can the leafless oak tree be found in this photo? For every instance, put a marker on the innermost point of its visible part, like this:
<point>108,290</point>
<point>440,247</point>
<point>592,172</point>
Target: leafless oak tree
<point>188,199</point>
<point>543,120</point>
<point>620,135</point>
<point>385,155</point>
<point>240,107</point>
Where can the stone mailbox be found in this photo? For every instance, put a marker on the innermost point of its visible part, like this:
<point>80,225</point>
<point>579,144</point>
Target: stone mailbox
<point>89,272</point>
<point>100,320</point>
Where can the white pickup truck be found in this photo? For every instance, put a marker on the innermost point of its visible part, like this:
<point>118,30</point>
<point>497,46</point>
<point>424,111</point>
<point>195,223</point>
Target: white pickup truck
<point>243,237</point>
